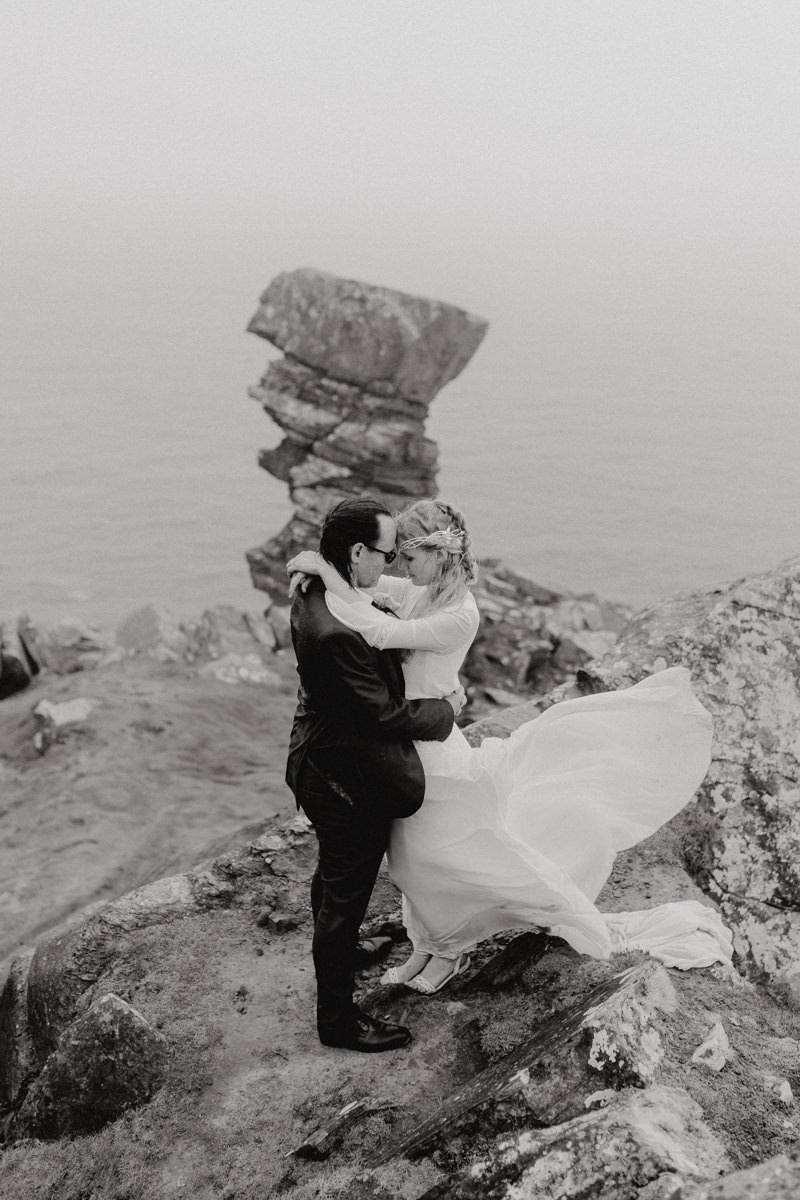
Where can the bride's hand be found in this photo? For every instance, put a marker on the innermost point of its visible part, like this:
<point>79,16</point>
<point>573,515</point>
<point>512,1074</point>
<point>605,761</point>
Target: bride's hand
<point>307,561</point>
<point>457,699</point>
<point>300,569</point>
<point>298,582</point>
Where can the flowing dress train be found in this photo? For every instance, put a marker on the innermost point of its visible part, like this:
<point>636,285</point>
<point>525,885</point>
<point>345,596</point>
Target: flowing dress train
<point>523,831</point>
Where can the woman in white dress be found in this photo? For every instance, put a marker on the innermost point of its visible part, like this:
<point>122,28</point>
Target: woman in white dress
<point>523,832</point>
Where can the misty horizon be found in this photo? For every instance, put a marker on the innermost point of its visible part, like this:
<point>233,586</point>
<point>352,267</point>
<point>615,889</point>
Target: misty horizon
<point>612,187</point>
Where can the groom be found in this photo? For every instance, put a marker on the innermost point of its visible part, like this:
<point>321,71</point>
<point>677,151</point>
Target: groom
<point>352,765</point>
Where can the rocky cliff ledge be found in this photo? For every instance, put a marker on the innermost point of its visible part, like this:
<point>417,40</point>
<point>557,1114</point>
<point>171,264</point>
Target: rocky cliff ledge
<point>163,1044</point>
<point>741,641</point>
<point>361,366</point>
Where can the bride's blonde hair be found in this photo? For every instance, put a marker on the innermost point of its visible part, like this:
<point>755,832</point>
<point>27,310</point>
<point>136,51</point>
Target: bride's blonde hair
<point>434,525</point>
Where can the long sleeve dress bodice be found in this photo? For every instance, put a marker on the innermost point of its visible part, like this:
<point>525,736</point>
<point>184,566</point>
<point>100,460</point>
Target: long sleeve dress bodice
<point>439,639</point>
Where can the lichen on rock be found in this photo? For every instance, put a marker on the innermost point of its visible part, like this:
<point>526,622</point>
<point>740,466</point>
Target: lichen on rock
<point>108,1060</point>
<point>741,641</point>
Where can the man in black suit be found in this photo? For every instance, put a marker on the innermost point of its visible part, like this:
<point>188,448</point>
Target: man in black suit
<point>352,765</point>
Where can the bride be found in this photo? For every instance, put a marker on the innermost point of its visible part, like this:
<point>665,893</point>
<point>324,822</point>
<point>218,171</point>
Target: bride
<point>523,831</point>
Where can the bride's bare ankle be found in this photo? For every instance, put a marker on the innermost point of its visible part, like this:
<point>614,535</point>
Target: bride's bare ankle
<point>413,965</point>
<point>438,968</point>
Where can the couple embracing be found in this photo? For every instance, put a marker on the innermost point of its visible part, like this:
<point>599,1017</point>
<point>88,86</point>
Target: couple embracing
<point>512,834</point>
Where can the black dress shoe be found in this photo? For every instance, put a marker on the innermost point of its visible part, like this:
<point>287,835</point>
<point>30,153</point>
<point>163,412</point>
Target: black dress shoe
<point>370,951</point>
<point>365,1033</point>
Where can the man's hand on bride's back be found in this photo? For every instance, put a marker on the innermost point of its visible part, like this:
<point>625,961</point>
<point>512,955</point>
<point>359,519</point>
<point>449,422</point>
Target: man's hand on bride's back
<point>457,699</point>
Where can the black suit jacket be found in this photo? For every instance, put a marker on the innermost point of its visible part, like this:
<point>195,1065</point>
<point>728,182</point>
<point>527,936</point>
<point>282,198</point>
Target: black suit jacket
<point>352,717</point>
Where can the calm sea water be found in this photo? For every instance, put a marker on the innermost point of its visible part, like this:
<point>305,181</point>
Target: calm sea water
<point>633,448</point>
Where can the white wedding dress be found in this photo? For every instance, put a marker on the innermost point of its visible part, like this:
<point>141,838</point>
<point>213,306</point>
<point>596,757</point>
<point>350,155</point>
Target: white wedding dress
<point>523,831</point>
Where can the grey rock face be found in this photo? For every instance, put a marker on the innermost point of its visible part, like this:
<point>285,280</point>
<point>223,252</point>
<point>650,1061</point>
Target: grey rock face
<point>639,1138</point>
<point>154,631</point>
<point>18,1060</point>
<point>531,639</point>
<point>362,365</point>
<point>17,664</point>
<point>741,642</point>
<point>46,991</point>
<point>66,647</point>
<point>224,644</point>
<point>607,1042</point>
<point>108,1060</point>
<point>374,337</point>
<point>776,1179</point>
<point>53,718</point>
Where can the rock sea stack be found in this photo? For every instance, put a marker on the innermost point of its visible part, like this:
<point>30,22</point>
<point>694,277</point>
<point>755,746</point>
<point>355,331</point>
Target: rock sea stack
<point>361,366</point>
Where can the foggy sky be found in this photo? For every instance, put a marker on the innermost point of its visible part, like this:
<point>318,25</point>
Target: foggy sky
<point>613,184</point>
<point>425,144</point>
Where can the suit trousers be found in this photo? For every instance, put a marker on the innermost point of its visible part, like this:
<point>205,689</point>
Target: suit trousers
<point>352,841</point>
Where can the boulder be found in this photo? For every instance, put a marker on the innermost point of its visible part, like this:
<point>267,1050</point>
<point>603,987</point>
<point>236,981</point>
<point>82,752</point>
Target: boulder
<point>65,966</point>
<point>17,664</point>
<point>46,991</point>
<point>68,646</point>
<point>27,648</point>
<point>107,1061</point>
<point>714,1052</point>
<point>776,1179</point>
<point>640,1137</point>
<point>153,630</point>
<point>52,718</point>
<point>608,1041</point>
<point>225,643</point>
<point>13,675</point>
<point>366,335</point>
<point>225,629</point>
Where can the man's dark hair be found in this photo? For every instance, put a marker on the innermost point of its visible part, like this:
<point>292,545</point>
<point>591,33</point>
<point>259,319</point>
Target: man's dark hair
<point>350,521</point>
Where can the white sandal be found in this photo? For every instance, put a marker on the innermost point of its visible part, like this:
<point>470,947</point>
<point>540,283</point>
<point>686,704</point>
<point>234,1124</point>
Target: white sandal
<point>418,984</point>
<point>393,974</point>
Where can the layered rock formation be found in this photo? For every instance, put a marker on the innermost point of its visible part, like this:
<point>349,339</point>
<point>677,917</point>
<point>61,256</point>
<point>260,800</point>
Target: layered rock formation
<point>362,364</point>
<point>531,639</point>
<point>361,367</point>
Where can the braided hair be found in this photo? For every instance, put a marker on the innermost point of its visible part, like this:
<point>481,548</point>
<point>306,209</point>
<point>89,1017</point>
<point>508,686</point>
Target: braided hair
<point>420,523</point>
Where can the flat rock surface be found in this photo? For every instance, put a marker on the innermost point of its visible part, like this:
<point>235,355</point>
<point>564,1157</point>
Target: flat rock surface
<point>368,335</point>
<point>164,766</point>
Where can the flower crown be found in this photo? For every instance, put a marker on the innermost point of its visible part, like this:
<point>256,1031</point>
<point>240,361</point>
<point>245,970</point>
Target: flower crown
<point>447,539</point>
